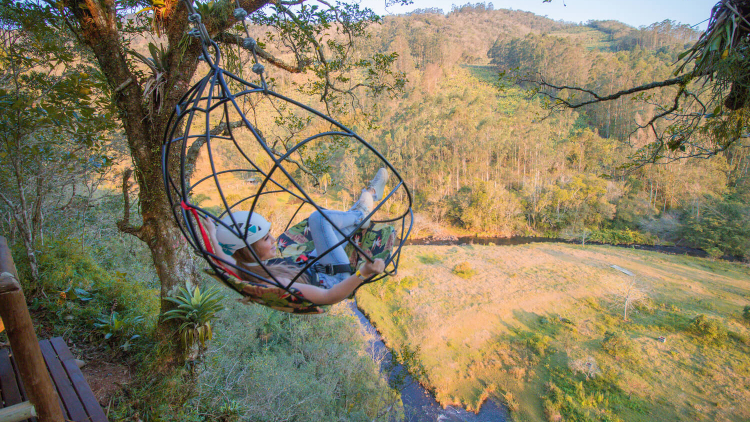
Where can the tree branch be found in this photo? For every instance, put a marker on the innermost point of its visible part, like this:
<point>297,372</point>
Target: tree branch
<point>124,224</point>
<point>318,49</point>
<point>36,219</point>
<point>238,40</point>
<point>297,163</point>
<point>194,150</point>
<point>70,201</point>
<point>666,112</point>
<point>10,205</point>
<point>681,80</point>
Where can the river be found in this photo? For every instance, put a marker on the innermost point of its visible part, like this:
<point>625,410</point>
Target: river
<point>521,240</point>
<point>419,404</point>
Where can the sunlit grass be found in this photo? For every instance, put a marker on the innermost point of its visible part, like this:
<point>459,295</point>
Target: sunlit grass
<point>265,365</point>
<point>532,321</point>
<point>484,73</point>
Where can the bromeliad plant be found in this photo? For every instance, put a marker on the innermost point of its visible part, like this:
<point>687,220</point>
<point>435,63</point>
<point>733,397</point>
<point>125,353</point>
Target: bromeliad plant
<point>195,311</point>
<point>156,82</point>
<point>118,330</point>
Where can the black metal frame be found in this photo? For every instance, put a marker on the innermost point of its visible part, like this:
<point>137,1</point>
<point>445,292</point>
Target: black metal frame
<point>178,138</point>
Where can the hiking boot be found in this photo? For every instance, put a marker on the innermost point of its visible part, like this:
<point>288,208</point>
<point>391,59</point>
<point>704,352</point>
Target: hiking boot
<point>364,204</point>
<point>378,184</point>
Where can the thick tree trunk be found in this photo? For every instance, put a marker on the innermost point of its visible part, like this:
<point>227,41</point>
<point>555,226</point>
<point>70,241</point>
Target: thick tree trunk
<point>144,131</point>
<point>171,254</point>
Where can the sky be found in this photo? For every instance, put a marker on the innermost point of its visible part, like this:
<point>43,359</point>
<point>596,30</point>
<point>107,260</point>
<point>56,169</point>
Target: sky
<point>632,12</point>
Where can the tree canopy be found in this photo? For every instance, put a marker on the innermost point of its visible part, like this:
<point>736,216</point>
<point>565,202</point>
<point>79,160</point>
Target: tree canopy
<point>706,110</point>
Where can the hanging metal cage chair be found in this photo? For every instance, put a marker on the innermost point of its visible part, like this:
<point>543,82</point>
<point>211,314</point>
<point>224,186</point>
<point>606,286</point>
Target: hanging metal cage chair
<point>216,160</point>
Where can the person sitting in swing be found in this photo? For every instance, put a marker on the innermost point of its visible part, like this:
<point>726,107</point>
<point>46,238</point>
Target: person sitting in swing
<point>333,288</point>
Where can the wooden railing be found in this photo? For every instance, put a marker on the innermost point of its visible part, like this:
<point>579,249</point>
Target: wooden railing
<point>43,400</point>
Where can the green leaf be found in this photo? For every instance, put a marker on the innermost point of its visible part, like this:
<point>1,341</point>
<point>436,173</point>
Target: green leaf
<point>154,51</point>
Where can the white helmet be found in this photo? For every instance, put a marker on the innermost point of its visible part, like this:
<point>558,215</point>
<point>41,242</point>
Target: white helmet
<point>231,239</point>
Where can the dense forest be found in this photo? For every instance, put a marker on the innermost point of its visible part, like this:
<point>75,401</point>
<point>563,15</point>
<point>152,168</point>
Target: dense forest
<point>481,152</point>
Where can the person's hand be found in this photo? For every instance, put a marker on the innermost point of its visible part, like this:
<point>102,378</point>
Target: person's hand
<point>210,227</point>
<point>372,268</point>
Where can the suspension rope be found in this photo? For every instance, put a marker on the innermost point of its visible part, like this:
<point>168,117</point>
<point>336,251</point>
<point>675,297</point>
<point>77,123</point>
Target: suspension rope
<point>249,43</point>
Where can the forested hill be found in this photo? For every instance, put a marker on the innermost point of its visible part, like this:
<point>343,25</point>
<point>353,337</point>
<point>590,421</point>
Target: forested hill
<point>464,36</point>
<point>473,33</point>
<point>604,55</point>
<point>484,157</point>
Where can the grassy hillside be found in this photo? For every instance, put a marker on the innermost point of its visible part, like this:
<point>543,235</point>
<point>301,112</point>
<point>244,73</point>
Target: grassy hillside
<point>541,327</point>
<point>592,38</point>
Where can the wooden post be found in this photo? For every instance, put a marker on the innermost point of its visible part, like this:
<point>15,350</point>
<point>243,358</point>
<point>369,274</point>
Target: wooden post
<point>24,343</point>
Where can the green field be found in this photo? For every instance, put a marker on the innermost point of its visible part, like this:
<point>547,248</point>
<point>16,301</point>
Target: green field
<point>591,38</point>
<point>541,328</point>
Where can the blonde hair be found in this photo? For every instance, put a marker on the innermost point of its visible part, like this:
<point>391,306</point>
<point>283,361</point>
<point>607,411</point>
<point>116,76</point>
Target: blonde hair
<point>281,270</point>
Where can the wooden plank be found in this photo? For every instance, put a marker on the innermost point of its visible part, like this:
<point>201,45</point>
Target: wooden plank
<point>93,409</point>
<point>8,384</point>
<point>17,381</point>
<point>65,390</point>
<point>61,349</point>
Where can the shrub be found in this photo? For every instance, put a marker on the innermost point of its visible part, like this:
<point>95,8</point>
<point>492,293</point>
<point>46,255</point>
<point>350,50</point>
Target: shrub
<point>551,411</point>
<point>538,343</point>
<point>617,344</point>
<point>746,313</point>
<point>464,270</point>
<point>119,331</point>
<point>714,253</point>
<point>194,313</point>
<point>482,207</point>
<point>553,402</point>
<point>68,263</point>
<point>708,331</point>
<point>721,225</point>
<point>78,291</point>
<point>621,237</point>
